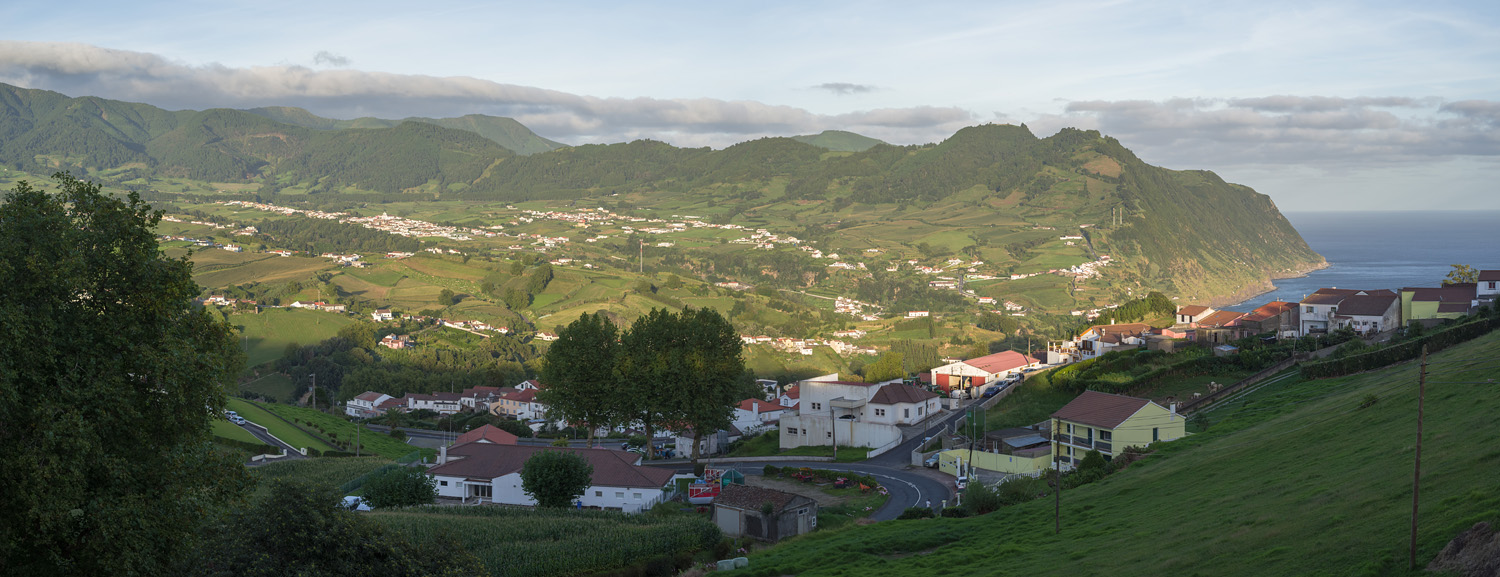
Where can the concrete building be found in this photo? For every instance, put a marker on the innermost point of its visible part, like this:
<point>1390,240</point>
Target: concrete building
<point>491,473</point>
<point>741,511</point>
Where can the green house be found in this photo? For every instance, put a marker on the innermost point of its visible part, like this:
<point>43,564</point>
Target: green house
<point>1109,423</point>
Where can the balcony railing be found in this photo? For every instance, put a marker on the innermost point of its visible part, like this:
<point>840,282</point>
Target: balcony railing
<point>1086,443</point>
<point>1061,438</point>
<point>1104,446</point>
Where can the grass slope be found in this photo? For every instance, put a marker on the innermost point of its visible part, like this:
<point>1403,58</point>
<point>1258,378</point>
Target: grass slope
<point>268,333</point>
<point>233,432</point>
<point>288,433</point>
<point>1298,481</point>
<point>343,431</point>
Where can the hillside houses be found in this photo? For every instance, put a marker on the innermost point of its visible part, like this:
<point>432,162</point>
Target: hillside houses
<point>976,374</point>
<point>491,473</point>
<point>834,412</point>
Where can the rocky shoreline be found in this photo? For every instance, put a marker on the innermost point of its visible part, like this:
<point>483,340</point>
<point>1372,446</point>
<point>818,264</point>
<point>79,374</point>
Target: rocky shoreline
<point>1265,286</point>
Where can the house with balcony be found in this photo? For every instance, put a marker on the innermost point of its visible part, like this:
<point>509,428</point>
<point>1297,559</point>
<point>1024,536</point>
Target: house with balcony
<point>1098,340</point>
<point>366,404</point>
<point>1319,308</point>
<point>976,374</point>
<point>1109,423</point>
<point>1189,315</point>
<point>855,414</point>
<point>1369,314</point>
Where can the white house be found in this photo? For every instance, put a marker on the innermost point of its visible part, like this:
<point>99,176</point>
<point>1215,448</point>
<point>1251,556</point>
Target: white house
<point>1319,308</point>
<point>441,403</point>
<point>790,397</point>
<point>491,472</point>
<point>769,386</point>
<point>382,315</point>
<point>1100,339</point>
<point>1193,313</point>
<point>755,413</point>
<point>1368,314</point>
<point>979,372</point>
<point>364,404</point>
<point>853,414</point>
<point>916,314</point>
<point>1489,285</point>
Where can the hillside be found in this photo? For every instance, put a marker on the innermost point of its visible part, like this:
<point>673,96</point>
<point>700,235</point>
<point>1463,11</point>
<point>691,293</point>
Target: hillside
<point>1307,478</point>
<point>839,141</point>
<point>993,193</point>
<point>505,132</point>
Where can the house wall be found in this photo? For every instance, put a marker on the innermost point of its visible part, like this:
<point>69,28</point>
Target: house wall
<point>1153,423</point>
<point>948,462</point>
<point>1315,317</point>
<point>507,490</point>
<point>819,431</point>
<point>900,413</point>
<point>816,394</point>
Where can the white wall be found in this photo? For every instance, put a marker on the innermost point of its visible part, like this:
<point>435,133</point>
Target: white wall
<point>818,431</point>
<point>507,490</point>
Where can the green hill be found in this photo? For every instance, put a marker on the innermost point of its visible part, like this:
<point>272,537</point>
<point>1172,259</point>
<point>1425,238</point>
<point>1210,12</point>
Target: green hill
<point>995,193</point>
<point>839,140</point>
<point>1307,478</point>
<point>503,131</point>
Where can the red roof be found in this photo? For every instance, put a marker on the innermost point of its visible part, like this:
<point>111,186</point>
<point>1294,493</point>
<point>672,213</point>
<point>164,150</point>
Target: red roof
<point>1001,362</point>
<point>1462,292</point>
<point>491,461</point>
<point>1453,308</point>
<point>1219,319</point>
<point>900,393</point>
<point>764,407</point>
<point>1366,305</point>
<point>1192,310</point>
<point>1098,409</point>
<point>525,396</point>
<point>487,434</point>
<point>370,396</point>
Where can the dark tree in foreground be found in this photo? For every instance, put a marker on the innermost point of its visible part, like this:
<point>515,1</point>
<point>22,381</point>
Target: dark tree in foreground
<point>581,385</point>
<point>684,368</point>
<point>556,478</point>
<point>304,529</point>
<point>110,377</point>
<point>400,487</point>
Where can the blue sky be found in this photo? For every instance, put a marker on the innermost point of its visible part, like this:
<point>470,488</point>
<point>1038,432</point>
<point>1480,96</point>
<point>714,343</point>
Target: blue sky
<point>1324,106</point>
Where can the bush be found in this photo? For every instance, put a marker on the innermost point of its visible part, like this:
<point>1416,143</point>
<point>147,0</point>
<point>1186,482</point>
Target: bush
<point>397,434</point>
<point>770,471</point>
<point>955,512</point>
<point>980,498</point>
<point>915,513</point>
<point>400,487</point>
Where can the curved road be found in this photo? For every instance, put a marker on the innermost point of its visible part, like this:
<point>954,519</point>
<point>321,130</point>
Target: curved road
<point>907,489</point>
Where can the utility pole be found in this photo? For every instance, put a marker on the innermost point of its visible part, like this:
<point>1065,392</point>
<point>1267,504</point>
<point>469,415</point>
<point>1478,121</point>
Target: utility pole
<point>1416,477</point>
<point>640,245</point>
<point>357,427</point>
<point>1057,476</point>
<point>833,431</point>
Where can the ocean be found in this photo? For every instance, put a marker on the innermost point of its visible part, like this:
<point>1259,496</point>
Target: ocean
<point>1388,250</point>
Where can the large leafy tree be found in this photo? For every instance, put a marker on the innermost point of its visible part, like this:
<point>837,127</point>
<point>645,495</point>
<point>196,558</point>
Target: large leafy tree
<point>580,374</point>
<point>1461,273</point>
<point>401,487</point>
<point>110,378</point>
<point>685,369</point>
<point>556,478</point>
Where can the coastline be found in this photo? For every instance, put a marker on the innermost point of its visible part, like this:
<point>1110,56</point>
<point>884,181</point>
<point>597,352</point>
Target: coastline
<point>1252,292</point>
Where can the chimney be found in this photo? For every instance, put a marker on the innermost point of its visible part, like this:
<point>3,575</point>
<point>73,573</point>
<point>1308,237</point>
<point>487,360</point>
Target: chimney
<point>443,455</point>
<point>1173,408</point>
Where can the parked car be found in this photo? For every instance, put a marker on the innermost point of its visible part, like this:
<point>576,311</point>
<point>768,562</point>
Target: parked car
<point>992,391</point>
<point>236,419</point>
<point>931,462</point>
<point>353,503</point>
<point>961,482</point>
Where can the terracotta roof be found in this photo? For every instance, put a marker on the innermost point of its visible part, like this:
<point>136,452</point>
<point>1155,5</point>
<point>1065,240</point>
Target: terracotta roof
<point>1192,310</point>
<point>1366,305</point>
<point>370,396</point>
<point>478,391</point>
<point>487,434</point>
<point>489,461</point>
<point>792,394</point>
<point>1000,362</point>
<point>900,393</point>
<point>388,403</point>
<point>765,407</point>
<point>1219,319</point>
<point>1120,329</point>
<point>1268,310</point>
<point>1489,275</point>
<point>751,498</point>
<point>1098,409</point>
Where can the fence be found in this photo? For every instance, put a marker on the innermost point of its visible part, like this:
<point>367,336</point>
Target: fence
<point>1202,402</point>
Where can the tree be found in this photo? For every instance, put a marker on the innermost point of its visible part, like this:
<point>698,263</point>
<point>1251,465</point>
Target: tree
<point>516,299</point>
<point>673,282</point>
<point>487,287</point>
<point>303,529</point>
<point>110,378</point>
<point>539,278</point>
<point>516,268</point>
<point>888,367</point>
<point>445,298</point>
<point>582,386</point>
<point>1001,324</point>
<point>1461,273</point>
<point>682,368</point>
<point>361,333</point>
<point>401,487</point>
<point>556,478</point>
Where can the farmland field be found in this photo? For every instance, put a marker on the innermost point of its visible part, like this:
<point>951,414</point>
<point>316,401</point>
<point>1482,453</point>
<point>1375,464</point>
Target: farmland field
<point>268,333</point>
<point>330,471</point>
<point>272,386</point>
<point>549,543</point>
<point>269,270</point>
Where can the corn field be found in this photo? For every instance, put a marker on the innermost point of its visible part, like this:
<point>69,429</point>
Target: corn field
<point>530,543</point>
<point>332,472</point>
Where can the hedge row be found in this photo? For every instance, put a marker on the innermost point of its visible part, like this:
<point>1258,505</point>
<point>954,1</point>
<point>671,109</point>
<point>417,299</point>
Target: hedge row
<point>1405,351</point>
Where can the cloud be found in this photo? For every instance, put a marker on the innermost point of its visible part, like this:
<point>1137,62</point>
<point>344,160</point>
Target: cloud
<point>845,88</point>
<point>330,59</point>
<point>1317,131</point>
<point>81,69</point>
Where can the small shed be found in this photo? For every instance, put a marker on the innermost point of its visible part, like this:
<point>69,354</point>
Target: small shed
<point>766,514</point>
<point>1225,350</point>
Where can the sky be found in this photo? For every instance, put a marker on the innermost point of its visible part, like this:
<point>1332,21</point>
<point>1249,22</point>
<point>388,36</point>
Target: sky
<point>1321,105</point>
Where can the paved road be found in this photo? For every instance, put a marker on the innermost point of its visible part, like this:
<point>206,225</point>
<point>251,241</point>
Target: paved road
<point>259,433</point>
<point>907,488</point>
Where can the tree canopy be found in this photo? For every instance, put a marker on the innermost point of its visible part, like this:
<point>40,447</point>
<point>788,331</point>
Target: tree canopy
<point>580,373</point>
<point>400,487</point>
<point>110,378</point>
<point>556,478</point>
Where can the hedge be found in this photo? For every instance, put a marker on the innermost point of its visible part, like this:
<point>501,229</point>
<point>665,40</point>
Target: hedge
<point>1401,352</point>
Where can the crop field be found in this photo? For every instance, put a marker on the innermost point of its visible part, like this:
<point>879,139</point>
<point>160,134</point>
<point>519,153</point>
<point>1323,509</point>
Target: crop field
<point>330,471</point>
<point>1307,478</point>
<point>272,386</point>
<point>543,543</point>
<point>268,333</point>
<point>288,433</point>
<point>271,270</point>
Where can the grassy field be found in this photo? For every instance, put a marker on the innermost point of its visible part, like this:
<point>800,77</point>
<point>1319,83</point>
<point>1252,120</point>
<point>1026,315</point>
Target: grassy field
<point>272,386</point>
<point>267,270</point>
<point>769,444</point>
<point>268,333</point>
<point>342,431</point>
<point>288,434</point>
<point>233,432</point>
<point>1307,478</point>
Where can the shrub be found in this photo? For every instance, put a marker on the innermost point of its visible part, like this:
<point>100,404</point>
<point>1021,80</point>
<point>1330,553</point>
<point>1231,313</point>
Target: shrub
<point>916,513</point>
<point>400,487</point>
<point>955,512</point>
<point>770,471</point>
<point>980,498</point>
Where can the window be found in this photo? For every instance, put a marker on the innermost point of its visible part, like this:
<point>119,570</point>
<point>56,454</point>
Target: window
<point>906,413</point>
<point>481,490</point>
<point>442,483</point>
<point>880,412</point>
<point>1070,428</point>
<point>1155,434</point>
<point>1492,285</point>
<point>636,495</point>
<point>791,430</point>
<point>919,411</point>
<point>619,494</point>
<point>829,434</point>
<point>1309,308</point>
<point>1106,435</point>
<point>817,406</point>
<point>598,493</point>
